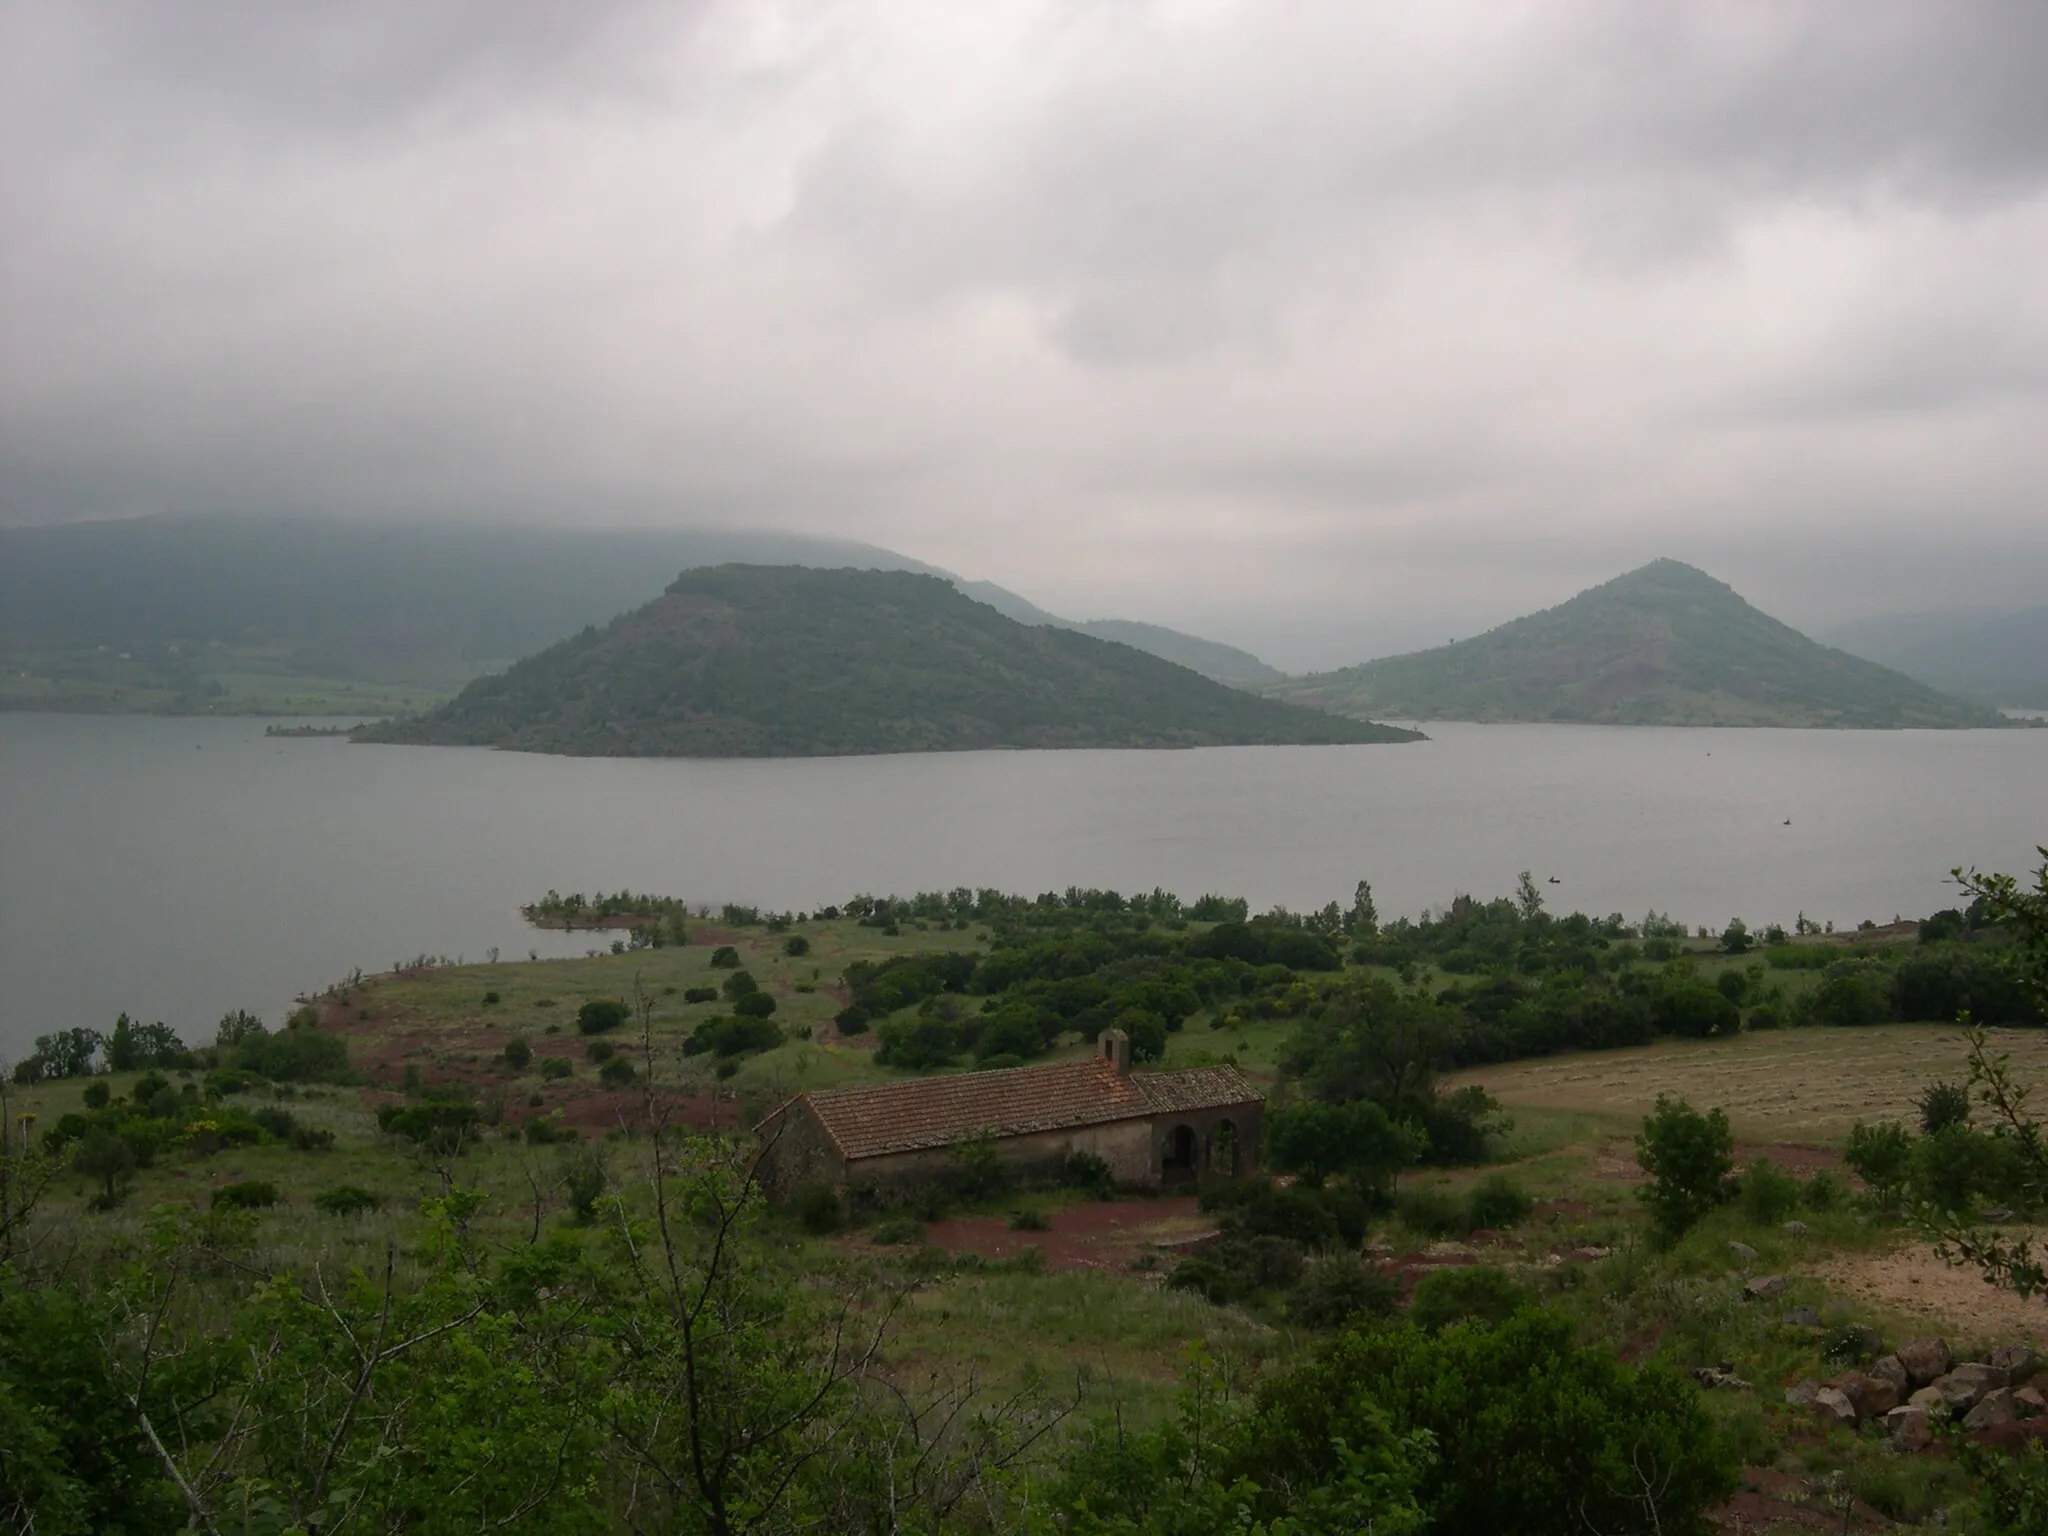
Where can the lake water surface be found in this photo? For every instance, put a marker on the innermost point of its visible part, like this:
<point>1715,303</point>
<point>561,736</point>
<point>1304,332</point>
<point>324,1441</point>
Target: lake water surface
<point>177,868</point>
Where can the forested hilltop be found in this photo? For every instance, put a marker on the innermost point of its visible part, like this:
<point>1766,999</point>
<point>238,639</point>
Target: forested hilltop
<point>1663,645</point>
<point>778,661</point>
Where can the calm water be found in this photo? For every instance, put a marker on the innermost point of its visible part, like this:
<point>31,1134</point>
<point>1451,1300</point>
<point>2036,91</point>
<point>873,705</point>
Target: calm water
<point>180,868</point>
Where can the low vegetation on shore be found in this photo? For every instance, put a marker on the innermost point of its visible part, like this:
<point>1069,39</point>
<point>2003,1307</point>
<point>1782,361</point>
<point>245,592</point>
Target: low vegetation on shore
<point>260,1283</point>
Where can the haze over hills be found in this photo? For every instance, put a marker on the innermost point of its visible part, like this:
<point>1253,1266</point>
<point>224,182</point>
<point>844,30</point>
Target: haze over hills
<point>203,605</point>
<point>756,661</point>
<point>1663,645</point>
<point>2001,660</point>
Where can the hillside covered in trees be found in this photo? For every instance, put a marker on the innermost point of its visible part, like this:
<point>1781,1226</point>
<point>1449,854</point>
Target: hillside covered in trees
<point>1663,645</point>
<point>774,661</point>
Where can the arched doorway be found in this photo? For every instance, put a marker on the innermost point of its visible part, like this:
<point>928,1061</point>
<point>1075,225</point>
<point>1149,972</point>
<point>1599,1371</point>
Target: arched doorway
<point>1223,1150</point>
<point>1177,1162</point>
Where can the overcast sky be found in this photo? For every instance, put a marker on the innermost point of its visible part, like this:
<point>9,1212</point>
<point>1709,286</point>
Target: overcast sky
<point>1326,329</point>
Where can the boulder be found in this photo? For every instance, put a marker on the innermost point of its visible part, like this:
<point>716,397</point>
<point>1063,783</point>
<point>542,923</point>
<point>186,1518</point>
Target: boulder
<point>1965,1386</point>
<point>1722,1376</point>
<point>1995,1408</point>
<point>1880,1395</point>
<point>1801,1317</point>
<point>1889,1368</point>
<point>1925,1360</point>
<point>1764,1287</point>
<point>2029,1403</point>
<point>1908,1429</point>
<point>1832,1406</point>
<point>2016,1360</point>
<point>1744,1254</point>
<point>1926,1397</point>
<point>1795,1229</point>
<point>1994,1214</point>
<point>1801,1394</point>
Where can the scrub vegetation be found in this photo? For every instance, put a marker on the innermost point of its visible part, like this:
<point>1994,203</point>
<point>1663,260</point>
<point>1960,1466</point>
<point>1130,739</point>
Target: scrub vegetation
<point>256,1284</point>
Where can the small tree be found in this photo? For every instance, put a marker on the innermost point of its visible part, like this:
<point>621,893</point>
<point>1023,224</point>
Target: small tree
<point>1735,939</point>
<point>1689,1157</point>
<point>1316,1140</point>
<point>1882,1157</point>
<point>518,1053</point>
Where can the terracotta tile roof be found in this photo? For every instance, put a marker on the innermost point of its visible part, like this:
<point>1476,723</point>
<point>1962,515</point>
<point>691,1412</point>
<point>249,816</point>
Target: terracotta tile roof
<point>1013,1101</point>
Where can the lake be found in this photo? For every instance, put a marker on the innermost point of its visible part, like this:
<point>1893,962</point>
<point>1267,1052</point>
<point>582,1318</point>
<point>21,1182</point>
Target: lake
<point>178,868</point>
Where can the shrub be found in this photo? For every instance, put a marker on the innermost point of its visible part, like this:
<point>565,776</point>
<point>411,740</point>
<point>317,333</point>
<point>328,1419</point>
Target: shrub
<point>1882,1157</point>
<point>347,1200</point>
<point>617,1073</point>
<point>725,958</point>
<point>1213,1282</point>
<point>1335,1290</point>
<point>440,1124</point>
<point>852,1020</point>
<point>1942,1105</point>
<point>700,994</point>
<point>554,1068</point>
<point>730,1037</point>
<point>541,1131</point>
<point>817,1207</point>
<point>1824,1192</point>
<point>755,1005</point>
<point>600,1050</point>
<point>1497,1201</point>
<point>248,1195</point>
<point>1851,992</point>
<point>1950,1166</point>
<point>1086,1171</point>
<point>518,1053</point>
<point>1530,1433</point>
<point>1688,1157</point>
<point>796,944</point>
<point>1433,1212</point>
<point>98,1094</point>
<point>1294,1214</point>
<point>1768,1195</point>
<point>739,984</point>
<point>1030,1219</point>
<point>897,1230</point>
<point>1481,1293</point>
<point>1766,1017</point>
<point>605,1013</point>
<point>490,999</point>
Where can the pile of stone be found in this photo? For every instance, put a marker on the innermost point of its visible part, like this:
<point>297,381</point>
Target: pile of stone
<point>1921,1383</point>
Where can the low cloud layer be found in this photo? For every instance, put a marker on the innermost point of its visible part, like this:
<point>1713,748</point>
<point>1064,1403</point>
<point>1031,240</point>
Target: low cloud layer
<point>1327,329</point>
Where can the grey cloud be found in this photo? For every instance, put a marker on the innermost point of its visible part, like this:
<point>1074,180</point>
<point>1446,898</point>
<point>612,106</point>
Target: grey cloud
<point>1341,323</point>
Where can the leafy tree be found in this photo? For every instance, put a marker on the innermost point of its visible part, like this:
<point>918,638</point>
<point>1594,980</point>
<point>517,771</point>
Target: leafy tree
<point>236,1027</point>
<point>754,1005</point>
<point>1735,939</point>
<point>1363,920</point>
<point>1147,1031</point>
<point>108,1158</point>
<point>1943,1104</point>
<point>1317,1140</point>
<point>1528,897</point>
<point>1689,1157</point>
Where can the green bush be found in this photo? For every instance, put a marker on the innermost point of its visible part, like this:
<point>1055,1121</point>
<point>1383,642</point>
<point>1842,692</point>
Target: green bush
<point>555,1068</point>
<point>700,994</point>
<point>1340,1289</point>
<point>594,1018</point>
<point>1433,1212</point>
<point>897,1230</point>
<point>248,1195</point>
<point>1688,1157</point>
<point>725,957</point>
<point>1530,1433</point>
<point>1951,1166</point>
<point>1497,1201</point>
<point>347,1200</point>
<point>817,1206</point>
<point>1768,1194</point>
<point>1824,1192</point>
<point>617,1073</point>
<point>755,1005</point>
<point>518,1053</point>
<point>1882,1157</point>
<point>97,1095</point>
<point>1480,1293</point>
<point>1942,1105</point>
<point>1029,1219</point>
<point>1086,1171</point>
<point>600,1050</point>
<point>796,944</point>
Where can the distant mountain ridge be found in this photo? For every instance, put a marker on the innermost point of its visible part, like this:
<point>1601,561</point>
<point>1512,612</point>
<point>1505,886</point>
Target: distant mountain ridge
<point>2000,660</point>
<point>428,606</point>
<point>760,661</point>
<point>1666,644</point>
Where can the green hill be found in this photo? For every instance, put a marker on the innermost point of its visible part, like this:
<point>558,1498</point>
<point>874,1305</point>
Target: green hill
<point>1999,660</point>
<point>780,661</point>
<point>1211,658</point>
<point>1663,645</point>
